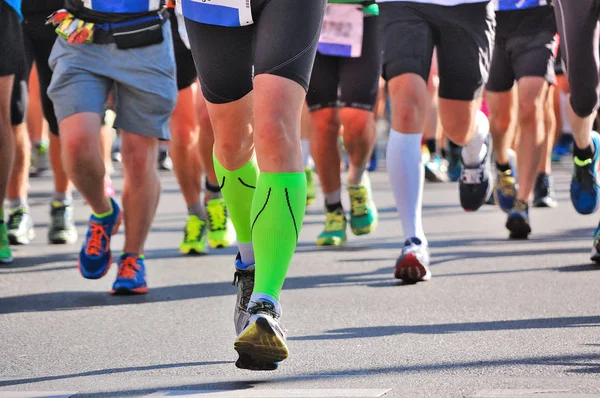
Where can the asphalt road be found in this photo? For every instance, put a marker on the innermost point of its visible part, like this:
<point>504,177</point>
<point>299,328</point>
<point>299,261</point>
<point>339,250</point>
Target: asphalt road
<point>498,319</point>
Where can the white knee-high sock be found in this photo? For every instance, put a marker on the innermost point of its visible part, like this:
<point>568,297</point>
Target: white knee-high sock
<point>474,151</point>
<point>407,175</point>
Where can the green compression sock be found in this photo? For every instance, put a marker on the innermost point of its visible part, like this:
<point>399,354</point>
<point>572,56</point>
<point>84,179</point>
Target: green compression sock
<point>238,188</point>
<point>277,215</point>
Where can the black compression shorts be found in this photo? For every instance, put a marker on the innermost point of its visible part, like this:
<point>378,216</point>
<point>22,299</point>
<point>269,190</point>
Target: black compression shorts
<point>526,45</point>
<point>38,40</point>
<point>12,57</point>
<point>186,70</point>
<point>348,82</point>
<point>282,41</point>
<point>462,34</point>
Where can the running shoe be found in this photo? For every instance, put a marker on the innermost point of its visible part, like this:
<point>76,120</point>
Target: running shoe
<point>413,264</point>
<point>221,232</point>
<point>334,233</point>
<point>40,160</point>
<point>363,212</point>
<point>243,279</point>
<point>261,345</point>
<point>164,161</point>
<point>474,184</point>
<point>505,191</point>
<point>311,192</point>
<point>454,163</point>
<point>131,276</point>
<point>95,257</point>
<point>563,147</point>
<point>543,191</point>
<point>195,239</point>
<point>115,153</point>
<point>584,185</point>
<point>5,252</point>
<point>518,221</point>
<point>62,227</point>
<point>20,227</point>
<point>373,161</point>
<point>436,169</point>
<point>596,247</point>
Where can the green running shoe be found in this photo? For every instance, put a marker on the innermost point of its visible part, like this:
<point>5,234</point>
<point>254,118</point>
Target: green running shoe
<point>363,212</point>
<point>195,238</point>
<point>221,232</point>
<point>311,192</point>
<point>5,252</point>
<point>334,233</point>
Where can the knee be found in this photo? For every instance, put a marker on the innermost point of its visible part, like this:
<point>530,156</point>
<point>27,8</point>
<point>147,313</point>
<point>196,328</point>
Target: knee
<point>184,134</point>
<point>530,111</point>
<point>356,123</point>
<point>499,123</point>
<point>325,124</point>
<point>584,105</point>
<point>75,144</point>
<point>139,156</point>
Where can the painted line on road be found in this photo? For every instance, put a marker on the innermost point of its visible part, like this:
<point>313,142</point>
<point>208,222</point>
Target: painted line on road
<point>37,394</point>
<point>267,393</point>
<point>535,393</point>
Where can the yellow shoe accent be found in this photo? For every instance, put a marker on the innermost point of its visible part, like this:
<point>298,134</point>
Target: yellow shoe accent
<point>195,239</point>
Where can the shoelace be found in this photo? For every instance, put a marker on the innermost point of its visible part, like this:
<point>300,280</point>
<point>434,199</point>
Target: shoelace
<point>358,199</point>
<point>128,268</point>
<point>263,307</point>
<point>243,278</point>
<point>60,217</point>
<point>581,176</point>
<point>334,222</point>
<point>15,218</point>
<point>193,230</point>
<point>217,216</point>
<point>98,233</point>
<point>520,206</point>
<point>506,183</point>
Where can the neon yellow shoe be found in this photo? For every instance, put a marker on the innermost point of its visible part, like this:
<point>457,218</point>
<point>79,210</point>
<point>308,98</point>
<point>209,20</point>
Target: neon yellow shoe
<point>5,252</point>
<point>221,232</point>
<point>363,212</point>
<point>195,239</point>
<point>311,193</point>
<point>334,233</point>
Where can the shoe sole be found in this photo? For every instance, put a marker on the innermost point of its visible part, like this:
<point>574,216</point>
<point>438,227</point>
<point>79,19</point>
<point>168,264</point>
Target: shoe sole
<point>432,177</point>
<point>366,230</point>
<point>129,292</point>
<point>6,260</point>
<point>192,252</point>
<point>410,270</point>
<point>331,242</point>
<point>110,259</point>
<point>62,241</point>
<point>259,344</point>
<point>518,228</point>
<point>17,241</point>
<point>541,203</point>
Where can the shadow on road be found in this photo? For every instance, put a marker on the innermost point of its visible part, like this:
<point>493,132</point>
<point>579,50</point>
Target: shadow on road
<point>111,371</point>
<point>582,363</point>
<point>447,328</point>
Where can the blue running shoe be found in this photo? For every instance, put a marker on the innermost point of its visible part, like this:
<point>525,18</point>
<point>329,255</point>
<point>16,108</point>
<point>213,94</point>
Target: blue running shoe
<point>584,185</point>
<point>518,221</point>
<point>95,257</point>
<point>505,191</point>
<point>131,278</point>
<point>454,163</point>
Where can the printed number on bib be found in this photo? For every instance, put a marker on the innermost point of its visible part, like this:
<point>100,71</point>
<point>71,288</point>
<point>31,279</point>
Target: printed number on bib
<point>342,32</point>
<point>231,13</point>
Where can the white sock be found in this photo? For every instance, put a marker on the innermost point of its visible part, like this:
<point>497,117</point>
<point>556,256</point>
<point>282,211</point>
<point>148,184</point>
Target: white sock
<point>333,197</point>
<point>305,152</point>
<point>407,176</point>
<point>474,151</point>
<point>246,252</point>
<point>263,296</point>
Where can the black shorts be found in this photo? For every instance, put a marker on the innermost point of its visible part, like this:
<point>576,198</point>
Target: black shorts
<point>462,34</point>
<point>348,82</point>
<point>38,40</point>
<point>186,70</point>
<point>526,45</point>
<point>282,41</point>
<point>12,54</point>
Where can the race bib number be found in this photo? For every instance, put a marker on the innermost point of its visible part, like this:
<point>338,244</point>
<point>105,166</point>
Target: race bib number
<point>342,32</point>
<point>231,13</point>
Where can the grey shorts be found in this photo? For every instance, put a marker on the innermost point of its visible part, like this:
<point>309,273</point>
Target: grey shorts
<point>142,81</point>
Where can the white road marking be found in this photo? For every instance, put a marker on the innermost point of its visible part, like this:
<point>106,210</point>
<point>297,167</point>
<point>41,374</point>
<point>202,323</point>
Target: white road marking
<point>268,393</point>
